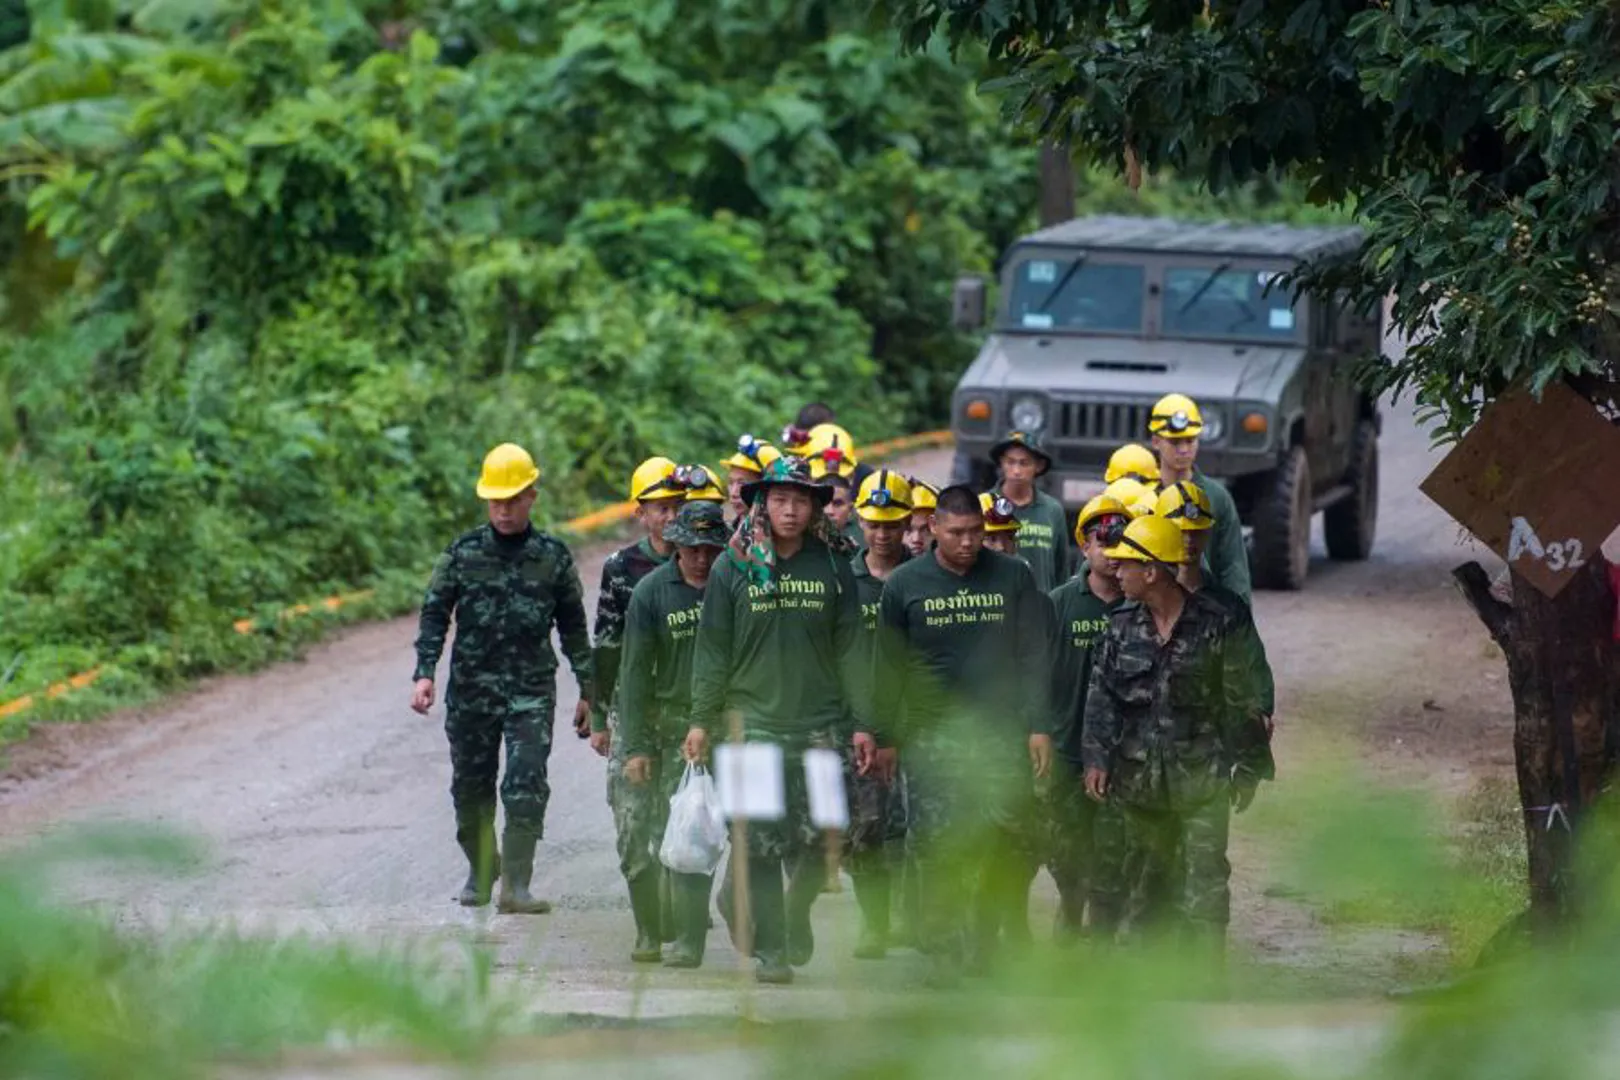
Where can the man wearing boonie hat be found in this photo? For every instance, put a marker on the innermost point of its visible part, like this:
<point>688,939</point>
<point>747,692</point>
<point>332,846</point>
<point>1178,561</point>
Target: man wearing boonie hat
<point>655,696</point>
<point>1175,733</point>
<point>1044,539</point>
<point>776,640</point>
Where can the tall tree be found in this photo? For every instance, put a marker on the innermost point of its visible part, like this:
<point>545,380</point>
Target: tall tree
<point>1479,142</point>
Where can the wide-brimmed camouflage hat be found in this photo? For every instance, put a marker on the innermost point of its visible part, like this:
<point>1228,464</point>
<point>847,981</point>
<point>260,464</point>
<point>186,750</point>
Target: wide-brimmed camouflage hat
<point>699,524</point>
<point>788,471</point>
<point>1029,440</point>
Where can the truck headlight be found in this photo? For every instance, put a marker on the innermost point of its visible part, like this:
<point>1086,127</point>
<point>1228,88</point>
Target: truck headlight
<point>1027,413</point>
<point>1214,426</point>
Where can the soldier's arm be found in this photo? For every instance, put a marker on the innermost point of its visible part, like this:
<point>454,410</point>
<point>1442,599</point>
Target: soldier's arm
<point>889,666</point>
<point>639,675</point>
<point>1036,618</point>
<point>711,656</point>
<point>1061,539</point>
<point>1059,664</point>
<point>848,641</point>
<point>572,627</point>
<point>1099,732</point>
<point>1244,677</point>
<point>611,601</point>
<point>1228,558</point>
<point>438,606</point>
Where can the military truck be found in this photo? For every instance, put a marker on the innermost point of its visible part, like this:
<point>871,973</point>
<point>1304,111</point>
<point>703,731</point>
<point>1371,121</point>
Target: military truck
<point>1099,317</point>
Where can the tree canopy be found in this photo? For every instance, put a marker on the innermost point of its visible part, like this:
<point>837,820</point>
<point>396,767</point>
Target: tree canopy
<point>1477,140</point>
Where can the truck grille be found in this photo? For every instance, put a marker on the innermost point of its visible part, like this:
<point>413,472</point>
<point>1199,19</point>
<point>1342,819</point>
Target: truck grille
<point>1111,422</point>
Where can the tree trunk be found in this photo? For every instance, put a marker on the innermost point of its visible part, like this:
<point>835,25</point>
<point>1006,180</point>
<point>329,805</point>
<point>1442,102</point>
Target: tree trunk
<point>1564,670</point>
<point>1057,184</point>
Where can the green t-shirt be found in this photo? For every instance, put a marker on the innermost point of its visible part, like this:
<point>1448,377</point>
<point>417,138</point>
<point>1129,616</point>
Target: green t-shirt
<point>1080,619</point>
<point>1043,540</point>
<point>962,656</point>
<point>870,591</point>
<point>655,669</point>
<point>781,658</point>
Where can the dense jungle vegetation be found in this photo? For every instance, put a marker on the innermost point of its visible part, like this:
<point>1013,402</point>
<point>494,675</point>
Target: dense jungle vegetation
<point>276,274</point>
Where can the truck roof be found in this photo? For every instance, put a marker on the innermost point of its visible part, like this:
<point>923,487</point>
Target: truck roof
<point>1168,235</point>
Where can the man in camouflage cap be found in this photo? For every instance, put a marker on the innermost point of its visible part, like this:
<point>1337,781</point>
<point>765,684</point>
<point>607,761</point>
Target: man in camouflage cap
<point>655,700</point>
<point>506,585</point>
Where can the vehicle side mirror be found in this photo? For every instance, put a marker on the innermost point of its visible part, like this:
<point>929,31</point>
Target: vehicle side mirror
<point>967,302</point>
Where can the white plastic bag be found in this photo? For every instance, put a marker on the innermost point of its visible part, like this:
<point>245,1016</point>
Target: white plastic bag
<point>695,838</point>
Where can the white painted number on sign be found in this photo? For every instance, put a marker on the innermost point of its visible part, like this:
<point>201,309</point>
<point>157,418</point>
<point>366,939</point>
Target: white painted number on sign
<point>1560,555</point>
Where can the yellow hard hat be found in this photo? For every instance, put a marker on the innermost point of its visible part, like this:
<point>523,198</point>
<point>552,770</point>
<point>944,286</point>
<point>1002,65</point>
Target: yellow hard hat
<point>999,513</point>
<point>1186,505</point>
<point>651,480</point>
<point>508,471</point>
<point>1150,539</point>
<point>924,496</point>
<point>1131,494</point>
<point>1176,416</point>
<point>830,451</point>
<point>1100,506</point>
<point>884,496</point>
<point>752,455</point>
<point>701,484</point>
<point>1135,461</point>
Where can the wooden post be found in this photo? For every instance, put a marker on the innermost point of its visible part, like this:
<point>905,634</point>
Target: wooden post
<point>741,910</point>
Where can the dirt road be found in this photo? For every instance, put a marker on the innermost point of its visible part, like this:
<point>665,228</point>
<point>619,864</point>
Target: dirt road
<point>324,800</point>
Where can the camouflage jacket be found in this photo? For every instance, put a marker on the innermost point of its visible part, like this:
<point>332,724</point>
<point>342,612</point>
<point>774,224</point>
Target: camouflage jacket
<point>505,596</point>
<point>620,573</point>
<point>1173,722</point>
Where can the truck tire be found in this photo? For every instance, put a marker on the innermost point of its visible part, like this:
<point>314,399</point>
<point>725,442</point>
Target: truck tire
<point>1282,526</point>
<point>1350,524</point>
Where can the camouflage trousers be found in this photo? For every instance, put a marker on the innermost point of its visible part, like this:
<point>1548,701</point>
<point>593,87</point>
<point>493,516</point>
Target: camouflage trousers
<point>1175,869</point>
<point>476,729</point>
<point>640,811</point>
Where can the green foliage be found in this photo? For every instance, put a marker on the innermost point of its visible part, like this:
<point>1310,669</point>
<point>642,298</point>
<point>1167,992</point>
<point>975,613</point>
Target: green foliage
<point>1477,140</point>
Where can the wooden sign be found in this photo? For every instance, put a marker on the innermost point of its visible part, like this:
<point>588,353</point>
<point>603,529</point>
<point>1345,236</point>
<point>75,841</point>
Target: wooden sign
<point>1537,481</point>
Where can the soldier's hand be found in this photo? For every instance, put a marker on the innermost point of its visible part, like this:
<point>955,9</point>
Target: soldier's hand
<point>1040,755</point>
<point>601,742</point>
<point>422,696</point>
<point>1096,785</point>
<point>1243,790</point>
<point>696,747</point>
<point>865,752</point>
<point>638,770</point>
<point>582,718</point>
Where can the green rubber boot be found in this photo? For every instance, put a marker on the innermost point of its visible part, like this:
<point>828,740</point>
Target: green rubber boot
<point>770,921</point>
<point>690,899</point>
<point>644,907</point>
<point>517,867</point>
<point>476,836</point>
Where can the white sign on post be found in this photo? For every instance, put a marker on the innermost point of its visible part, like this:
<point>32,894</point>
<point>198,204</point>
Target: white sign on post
<point>824,779</point>
<point>749,776</point>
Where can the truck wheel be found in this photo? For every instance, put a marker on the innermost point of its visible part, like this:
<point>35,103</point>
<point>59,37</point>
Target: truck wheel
<point>1350,524</point>
<point>1282,526</point>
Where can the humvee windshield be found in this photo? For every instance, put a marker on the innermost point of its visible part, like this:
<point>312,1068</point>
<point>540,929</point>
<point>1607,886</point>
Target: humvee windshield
<point>1199,301</point>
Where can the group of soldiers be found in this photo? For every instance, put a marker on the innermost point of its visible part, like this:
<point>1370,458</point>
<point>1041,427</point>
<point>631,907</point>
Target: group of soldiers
<point>996,712</point>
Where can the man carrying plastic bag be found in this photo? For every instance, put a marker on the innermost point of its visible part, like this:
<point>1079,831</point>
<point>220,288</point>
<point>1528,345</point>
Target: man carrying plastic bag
<point>655,684</point>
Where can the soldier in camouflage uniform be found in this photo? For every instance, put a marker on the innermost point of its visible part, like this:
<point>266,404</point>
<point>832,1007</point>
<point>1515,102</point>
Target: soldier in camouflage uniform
<point>1174,733</point>
<point>655,698</point>
<point>658,494</point>
<point>506,585</point>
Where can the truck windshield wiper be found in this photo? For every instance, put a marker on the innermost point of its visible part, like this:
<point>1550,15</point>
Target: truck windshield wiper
<point>1062,283</point>
<point>1198,293</point>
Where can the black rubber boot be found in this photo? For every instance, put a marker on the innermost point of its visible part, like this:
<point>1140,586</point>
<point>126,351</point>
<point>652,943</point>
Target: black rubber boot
<point>476,836</point>
<point>871,873</point>
<point>517,867</point>
<point>804,885</point>
<point>770,921</point>
<point>644,906</point>
<point>690,898</point>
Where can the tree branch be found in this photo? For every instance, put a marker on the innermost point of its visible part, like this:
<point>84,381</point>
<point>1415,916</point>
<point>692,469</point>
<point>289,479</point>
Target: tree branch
<point>1475,586</point>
